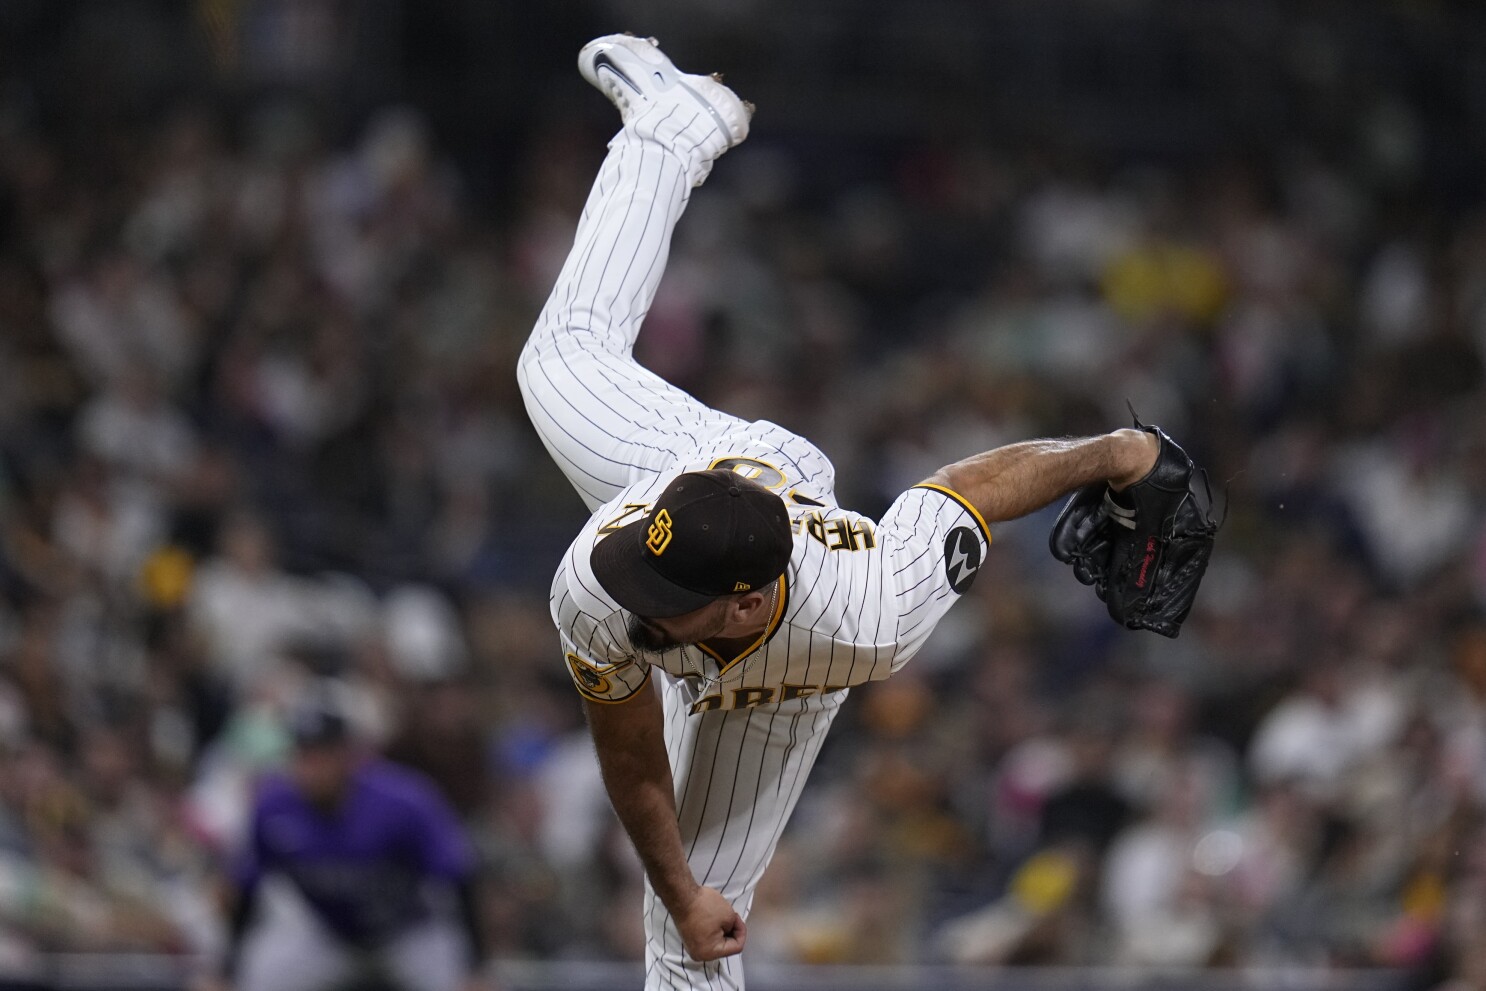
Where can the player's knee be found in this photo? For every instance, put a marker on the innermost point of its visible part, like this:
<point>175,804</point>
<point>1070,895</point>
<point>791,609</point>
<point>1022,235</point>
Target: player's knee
<point>526,365</point>
<point>529,352</point>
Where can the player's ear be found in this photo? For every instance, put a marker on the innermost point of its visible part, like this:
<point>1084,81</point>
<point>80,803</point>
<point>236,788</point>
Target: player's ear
<point>747,605</point>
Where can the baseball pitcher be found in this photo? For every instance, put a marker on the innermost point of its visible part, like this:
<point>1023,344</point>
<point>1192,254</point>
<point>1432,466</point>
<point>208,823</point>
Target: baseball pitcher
<point>719,605</point>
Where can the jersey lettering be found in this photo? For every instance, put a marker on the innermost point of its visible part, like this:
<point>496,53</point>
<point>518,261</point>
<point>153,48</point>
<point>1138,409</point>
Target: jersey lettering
<point>847,535</point>
<point>747,698</point>
<point>788,693</point>
<point>618,522</point>
<point>744,698</point>
<point>842,534</point>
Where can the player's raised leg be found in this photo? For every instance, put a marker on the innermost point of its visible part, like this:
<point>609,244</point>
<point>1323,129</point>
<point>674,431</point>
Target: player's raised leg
<point>738,774</point>
<point>607,421</point>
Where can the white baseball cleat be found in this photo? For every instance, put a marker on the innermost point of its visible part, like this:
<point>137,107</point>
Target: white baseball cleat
<point>684,110</point>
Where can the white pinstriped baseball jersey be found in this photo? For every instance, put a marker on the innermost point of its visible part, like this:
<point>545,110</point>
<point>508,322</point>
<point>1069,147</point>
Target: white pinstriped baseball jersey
<point>857,601</point>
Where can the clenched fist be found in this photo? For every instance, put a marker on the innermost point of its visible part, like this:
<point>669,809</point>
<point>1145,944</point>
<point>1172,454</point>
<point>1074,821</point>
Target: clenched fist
<point>709,926</point>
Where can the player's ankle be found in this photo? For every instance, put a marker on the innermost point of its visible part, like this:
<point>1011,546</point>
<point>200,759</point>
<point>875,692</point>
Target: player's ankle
<point>697,166</point>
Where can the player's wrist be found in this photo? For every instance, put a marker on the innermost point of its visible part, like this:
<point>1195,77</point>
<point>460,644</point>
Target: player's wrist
<point>679,895</point>
<point>1135,454</point>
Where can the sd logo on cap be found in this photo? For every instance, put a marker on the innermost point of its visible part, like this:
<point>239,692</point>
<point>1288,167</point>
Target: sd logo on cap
<point>711,533</point>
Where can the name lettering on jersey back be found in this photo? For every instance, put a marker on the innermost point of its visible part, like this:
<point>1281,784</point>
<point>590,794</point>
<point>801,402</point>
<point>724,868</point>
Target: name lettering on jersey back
<point>843,534</point>
<point>747,698</point>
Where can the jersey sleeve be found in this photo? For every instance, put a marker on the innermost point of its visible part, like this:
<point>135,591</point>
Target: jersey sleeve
<point>600,680</point>
<point>935,542</point>
<point>592,636</point>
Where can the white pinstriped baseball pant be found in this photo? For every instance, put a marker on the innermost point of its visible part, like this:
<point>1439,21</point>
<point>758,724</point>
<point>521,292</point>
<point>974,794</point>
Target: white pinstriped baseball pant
<point>608,422</point>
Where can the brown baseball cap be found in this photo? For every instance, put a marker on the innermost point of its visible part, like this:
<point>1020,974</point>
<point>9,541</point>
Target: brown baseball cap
<point>709,534</point>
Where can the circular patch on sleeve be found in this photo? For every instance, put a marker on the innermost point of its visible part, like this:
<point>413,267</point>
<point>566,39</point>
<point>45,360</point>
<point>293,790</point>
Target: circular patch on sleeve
<point>962,555</point>
<point>587,675</point>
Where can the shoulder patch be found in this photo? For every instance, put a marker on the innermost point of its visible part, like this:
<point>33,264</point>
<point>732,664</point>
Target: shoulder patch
<point>588,675</point>
<point>962,555</point>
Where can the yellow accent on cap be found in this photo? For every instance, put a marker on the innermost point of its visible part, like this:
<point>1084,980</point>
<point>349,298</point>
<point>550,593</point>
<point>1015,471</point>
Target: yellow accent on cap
<point>658,537</point>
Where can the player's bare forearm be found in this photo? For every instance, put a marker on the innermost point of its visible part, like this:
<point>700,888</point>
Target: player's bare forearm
<point>630,739</point>
<point>1021,478</point>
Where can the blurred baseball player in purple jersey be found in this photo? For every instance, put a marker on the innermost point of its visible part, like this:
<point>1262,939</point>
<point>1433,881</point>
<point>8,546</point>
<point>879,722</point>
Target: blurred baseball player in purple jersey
<point>354,871</point>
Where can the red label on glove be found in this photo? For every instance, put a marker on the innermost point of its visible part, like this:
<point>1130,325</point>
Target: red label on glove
<point>1150,555</point>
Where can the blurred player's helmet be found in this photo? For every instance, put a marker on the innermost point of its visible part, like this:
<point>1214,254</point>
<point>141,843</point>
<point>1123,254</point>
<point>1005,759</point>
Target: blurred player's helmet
<point>319,720</point>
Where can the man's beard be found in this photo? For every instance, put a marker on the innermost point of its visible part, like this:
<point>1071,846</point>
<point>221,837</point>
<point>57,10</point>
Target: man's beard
<point>646,637</point>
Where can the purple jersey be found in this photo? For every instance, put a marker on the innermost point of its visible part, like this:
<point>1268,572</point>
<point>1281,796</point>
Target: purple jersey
<point>361,866</point>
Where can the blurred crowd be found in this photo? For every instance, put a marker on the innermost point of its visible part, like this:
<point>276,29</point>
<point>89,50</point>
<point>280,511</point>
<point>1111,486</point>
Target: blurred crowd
<point>259,425</point>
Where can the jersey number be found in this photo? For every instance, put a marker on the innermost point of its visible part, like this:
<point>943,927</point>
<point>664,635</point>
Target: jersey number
<point>764,474</point>
<point>754,470</point>
<point>630,510</point>
<point>838,535</point>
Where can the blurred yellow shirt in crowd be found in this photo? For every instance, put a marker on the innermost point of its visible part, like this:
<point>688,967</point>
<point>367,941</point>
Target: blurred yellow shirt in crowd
<point>1165,278</point>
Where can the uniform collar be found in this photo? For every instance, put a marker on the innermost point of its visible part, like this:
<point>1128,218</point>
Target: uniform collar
<point>775,621</point>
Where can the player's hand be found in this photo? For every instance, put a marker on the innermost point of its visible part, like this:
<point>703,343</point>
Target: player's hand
<point>709,927</point>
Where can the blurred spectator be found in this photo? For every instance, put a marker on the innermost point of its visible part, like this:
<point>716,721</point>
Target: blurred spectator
<point>243,606</point>
<point>443,735</point>
<point>1153,891</point>
<point>1319,733</point>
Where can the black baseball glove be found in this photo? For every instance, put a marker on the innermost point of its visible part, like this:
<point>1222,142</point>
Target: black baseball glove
<point>1143,549</point>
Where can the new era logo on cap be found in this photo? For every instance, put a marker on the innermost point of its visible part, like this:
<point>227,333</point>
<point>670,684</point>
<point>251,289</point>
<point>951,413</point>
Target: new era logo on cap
<point>709,534</point>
